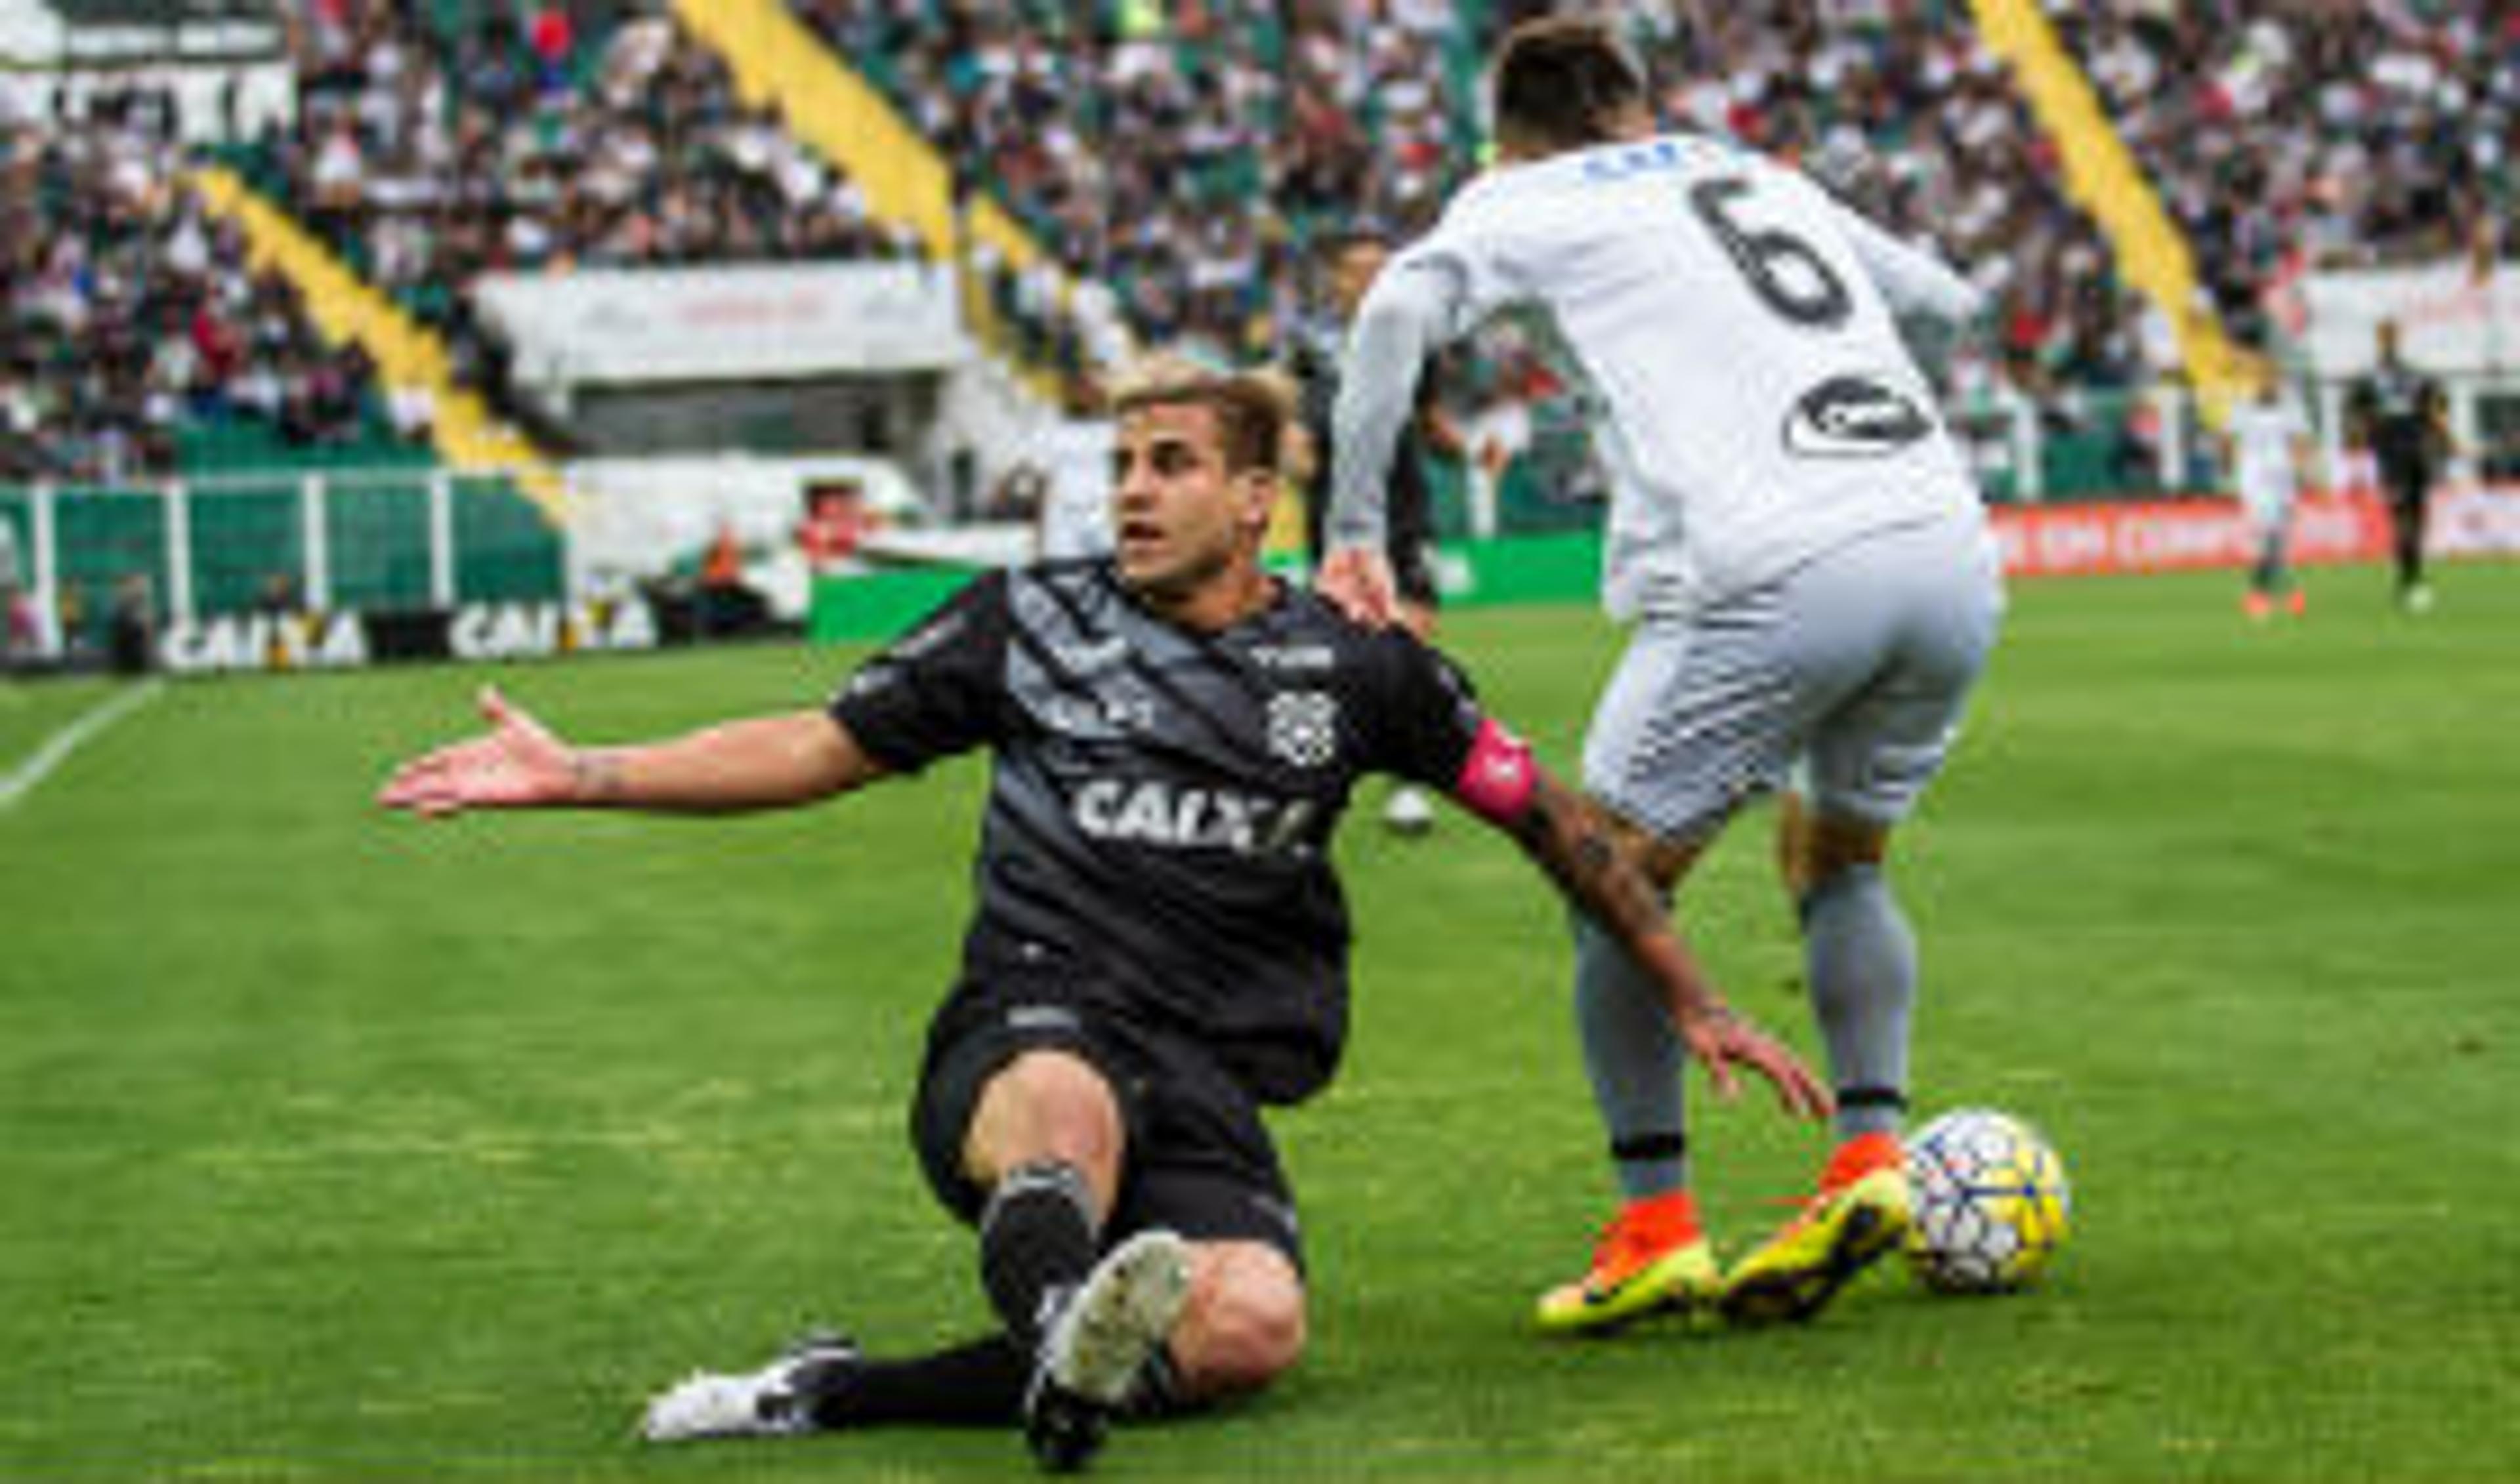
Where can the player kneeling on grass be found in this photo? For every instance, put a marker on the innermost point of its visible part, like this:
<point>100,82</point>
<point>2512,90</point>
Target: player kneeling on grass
<point>1160,944</point>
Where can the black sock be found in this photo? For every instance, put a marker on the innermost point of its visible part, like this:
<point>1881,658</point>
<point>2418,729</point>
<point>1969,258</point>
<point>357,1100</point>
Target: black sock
<point>980,1383</point>
<point>977,1385</point>
<point>1037,1238</point>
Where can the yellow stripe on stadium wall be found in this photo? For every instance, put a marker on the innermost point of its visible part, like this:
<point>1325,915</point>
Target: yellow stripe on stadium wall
<point>778,61</point>
<point>2103,176</point>
<point>347,310</point>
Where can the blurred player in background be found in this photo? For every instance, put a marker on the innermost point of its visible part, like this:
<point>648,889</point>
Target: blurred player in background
<point>2268,449</point>
<point>1801,550</point>
<point>1160,944</point>
<point>1351,260</point>
<point>2399,415</point>
<point>835,526</point>
<point>1074,457</point>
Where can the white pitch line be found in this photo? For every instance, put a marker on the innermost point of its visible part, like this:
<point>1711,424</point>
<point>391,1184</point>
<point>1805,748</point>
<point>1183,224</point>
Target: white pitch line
<point>20,781</point>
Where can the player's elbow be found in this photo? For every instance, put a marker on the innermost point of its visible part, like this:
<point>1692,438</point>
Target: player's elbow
<point>1395,329</point>
<point>1391,328</point>
<point>827,758</point>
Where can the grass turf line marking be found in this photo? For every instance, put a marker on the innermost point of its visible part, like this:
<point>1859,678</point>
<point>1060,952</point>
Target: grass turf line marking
<point>20,781</point>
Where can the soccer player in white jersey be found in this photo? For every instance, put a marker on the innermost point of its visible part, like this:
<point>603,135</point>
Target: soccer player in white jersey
<point>2269,446</point>
<point>1074,457</point>
<point>1804,559</point>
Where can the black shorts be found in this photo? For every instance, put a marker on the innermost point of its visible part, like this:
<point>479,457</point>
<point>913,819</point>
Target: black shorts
<point>1199,1161</point>
<point>2410,491</point>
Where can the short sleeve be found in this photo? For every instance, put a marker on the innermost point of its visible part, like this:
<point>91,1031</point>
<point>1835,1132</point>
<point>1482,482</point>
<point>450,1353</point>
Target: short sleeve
<point>1427,714</point>
<point>939,689</point>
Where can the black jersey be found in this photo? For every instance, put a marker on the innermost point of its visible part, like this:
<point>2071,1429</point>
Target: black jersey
<point>1161,801</point>
<point>2396,409</point>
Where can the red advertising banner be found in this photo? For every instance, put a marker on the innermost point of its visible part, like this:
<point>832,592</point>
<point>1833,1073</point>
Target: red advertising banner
<point>2167,535</point>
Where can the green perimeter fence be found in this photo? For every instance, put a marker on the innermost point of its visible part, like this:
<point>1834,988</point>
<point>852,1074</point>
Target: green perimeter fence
<point>367,541</point>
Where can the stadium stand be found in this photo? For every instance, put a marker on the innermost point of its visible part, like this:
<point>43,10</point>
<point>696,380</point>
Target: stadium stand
<point>136,339</point>
<point>431,145</point>
<point>425,398</point>
<point>1189,165</point>
<point>2319,135</point>
<point>1184,160</point>
<point>1181,159</point>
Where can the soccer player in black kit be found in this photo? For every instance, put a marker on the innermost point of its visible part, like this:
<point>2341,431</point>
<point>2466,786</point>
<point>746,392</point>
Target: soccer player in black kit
<point>2400,415</point>
<point>1160,944</point>
<point>1351,260</point>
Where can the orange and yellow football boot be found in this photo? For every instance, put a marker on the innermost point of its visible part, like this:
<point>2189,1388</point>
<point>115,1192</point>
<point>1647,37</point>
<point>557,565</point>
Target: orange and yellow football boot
<point>1652,1258</point>
<point>1860,1214</point>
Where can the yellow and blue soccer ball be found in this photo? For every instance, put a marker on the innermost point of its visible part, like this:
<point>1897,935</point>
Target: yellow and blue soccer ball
<point>1991,1204</point>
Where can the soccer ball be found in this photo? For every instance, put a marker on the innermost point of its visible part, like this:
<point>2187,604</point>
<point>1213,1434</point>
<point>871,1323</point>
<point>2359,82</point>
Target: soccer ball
<point>1408,814</point>
<point>1991,1204</point>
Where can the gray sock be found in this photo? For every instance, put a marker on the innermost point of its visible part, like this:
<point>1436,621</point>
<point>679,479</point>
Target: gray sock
<point>1861,957</point>
<point>1633,1059</point>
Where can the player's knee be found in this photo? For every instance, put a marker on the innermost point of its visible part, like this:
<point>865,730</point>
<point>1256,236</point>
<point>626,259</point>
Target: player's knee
<point>1047,1106</point>
<point>1833,844</point>
<point>1246,1322</point>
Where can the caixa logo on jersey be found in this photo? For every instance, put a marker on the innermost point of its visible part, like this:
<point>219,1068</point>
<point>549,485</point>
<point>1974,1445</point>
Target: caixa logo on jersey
<point>1854,418</point>
<point>1182,817</point>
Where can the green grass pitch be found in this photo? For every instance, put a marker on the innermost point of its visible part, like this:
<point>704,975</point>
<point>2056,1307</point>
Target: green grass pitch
<point>340,1148</point>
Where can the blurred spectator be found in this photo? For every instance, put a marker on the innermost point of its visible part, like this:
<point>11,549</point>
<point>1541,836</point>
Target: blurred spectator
<point>132,628</point>
<point>835,524</point>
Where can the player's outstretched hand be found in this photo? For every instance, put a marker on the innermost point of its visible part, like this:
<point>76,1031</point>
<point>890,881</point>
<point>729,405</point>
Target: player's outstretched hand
<point>517,764</point>
<point>1358,580</point>
<point>1722,1040</point>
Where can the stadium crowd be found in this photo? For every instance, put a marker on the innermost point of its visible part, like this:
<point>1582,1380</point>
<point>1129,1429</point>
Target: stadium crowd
<point>1180,162</point>
<point>1191,162</point>
<point>1181,159</point>
<point>127,315</point>
<point>429,152</point>
<point>2289,137</point>
<point>436,152</point>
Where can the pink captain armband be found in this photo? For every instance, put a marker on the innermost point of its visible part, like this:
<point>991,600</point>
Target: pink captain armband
<point>1498,777</point>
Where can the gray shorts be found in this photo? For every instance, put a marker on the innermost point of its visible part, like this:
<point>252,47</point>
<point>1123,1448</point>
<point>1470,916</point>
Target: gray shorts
<point>1857,662</point>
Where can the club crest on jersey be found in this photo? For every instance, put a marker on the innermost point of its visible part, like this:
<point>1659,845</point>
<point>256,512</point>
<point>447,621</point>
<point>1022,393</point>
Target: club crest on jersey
<point>1303,727</point>
<point>1854,418</point>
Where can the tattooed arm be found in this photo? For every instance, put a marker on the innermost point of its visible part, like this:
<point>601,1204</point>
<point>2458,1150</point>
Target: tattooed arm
<point>1579,844</point>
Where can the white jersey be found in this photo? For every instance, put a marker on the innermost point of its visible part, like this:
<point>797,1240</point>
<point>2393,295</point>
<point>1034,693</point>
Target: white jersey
<point>1738,327</point>
<point>2265,437</point>
<point>1075,461</point>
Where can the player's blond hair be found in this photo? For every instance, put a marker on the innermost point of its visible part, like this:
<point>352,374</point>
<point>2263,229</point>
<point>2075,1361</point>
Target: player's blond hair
<point>1254,407</point>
